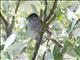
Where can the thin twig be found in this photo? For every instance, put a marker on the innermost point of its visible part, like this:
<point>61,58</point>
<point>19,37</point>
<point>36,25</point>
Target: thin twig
<point>56,42</point>
<point>3,18</point>
<point>77,21</point>
<point>52,10</point>
<point>41,14</point>
<point>45,11</point>
<point>52,19</point>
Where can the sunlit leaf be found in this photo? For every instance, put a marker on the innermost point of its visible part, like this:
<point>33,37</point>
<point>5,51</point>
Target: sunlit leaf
<point>22,56</point>
<point>16,48</point>
<point>9,40</point>
<point>60,18</point>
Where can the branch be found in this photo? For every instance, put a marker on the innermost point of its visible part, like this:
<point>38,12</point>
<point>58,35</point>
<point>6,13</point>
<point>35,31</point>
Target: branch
<point>77,21</point>
<point>44,56</point>
<point>52,19</point>
<point>76,24</point>
<point>47,45</point>
<point>17,6</point>
<point>15,13</point>
<point>53,40</point>
<point>45,11</point>
<point>3,18</point>
<point>37,45</point>
<point>13,17</point>
<point>56,42</point>
<point>9,30</point>
<point>41,14</point>
<point>51,11</point>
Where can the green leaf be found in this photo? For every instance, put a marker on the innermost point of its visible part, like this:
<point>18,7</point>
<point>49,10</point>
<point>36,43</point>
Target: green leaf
<point>58,12</point>
<point>77,50</point>
<point>1,47</point>
<point>56,53</point>
<point>64,49</point>
<point>70,49</point>
<point>60,18</point>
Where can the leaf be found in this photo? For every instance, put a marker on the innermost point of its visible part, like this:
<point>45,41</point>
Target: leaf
<point>56,53</point>
<point>34,8</point>
<point>71,16</point>
<point>48,56</point>
<point>9,41</point>
<point>17,48</point>
<point>1,47</point>
<point>77,50</point>
<point>5,56</point>
<point>64,49</point>
<point>60,18</point>
<point>58,12</point>
<point>70,49</point>
<point>78,40</point>
<point>22,56</point>
<point>6,6</point>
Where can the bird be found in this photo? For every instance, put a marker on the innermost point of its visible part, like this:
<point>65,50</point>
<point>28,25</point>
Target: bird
<point>34,26</point>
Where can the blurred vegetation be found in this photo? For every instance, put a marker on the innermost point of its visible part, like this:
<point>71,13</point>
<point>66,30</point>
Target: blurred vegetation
<point>16,44</point>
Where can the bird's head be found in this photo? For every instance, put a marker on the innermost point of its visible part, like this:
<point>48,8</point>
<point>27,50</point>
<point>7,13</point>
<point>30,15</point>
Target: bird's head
<point>32,16</point>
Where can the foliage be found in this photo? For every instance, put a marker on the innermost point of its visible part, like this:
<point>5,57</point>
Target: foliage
<point>16,44</point>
